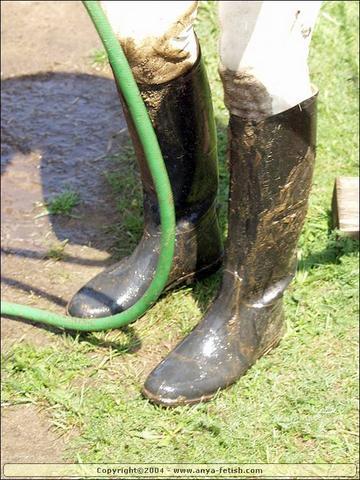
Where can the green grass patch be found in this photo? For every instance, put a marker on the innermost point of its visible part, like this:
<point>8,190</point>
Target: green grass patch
<point>99,58</point>
<point>57,252</point>
<point>124,181</point>
<point>62,204</point>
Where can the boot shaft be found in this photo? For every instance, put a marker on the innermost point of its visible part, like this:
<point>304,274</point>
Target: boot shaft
<point>271,167</point>
<point>182,115</point>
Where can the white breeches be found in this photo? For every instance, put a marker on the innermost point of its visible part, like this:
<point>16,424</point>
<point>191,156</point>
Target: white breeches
<point>263,48</point>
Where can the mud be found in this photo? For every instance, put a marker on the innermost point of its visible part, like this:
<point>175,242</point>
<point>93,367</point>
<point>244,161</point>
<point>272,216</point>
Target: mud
<point>61,121</point>
<point>245,96</point>
<point>155,60</point>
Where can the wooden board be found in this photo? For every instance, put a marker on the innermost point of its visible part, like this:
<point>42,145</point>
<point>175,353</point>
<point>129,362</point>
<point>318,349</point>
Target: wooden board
<point>345,205</point>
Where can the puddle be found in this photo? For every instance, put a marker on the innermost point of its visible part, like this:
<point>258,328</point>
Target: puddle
<point>56,128</point>
<point>58,131</point>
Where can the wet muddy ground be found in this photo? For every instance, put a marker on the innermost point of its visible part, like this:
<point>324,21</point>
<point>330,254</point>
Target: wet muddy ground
<point>60,122</point>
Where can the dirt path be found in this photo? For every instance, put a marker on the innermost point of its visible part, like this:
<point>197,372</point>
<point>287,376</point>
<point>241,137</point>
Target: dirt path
<point>60,116</point>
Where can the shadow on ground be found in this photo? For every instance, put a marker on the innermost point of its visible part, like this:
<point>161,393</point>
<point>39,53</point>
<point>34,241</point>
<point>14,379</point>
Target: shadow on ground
<point>59,132</point>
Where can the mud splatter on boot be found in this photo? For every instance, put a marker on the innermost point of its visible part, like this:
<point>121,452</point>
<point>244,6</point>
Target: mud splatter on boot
<point>271,165</point>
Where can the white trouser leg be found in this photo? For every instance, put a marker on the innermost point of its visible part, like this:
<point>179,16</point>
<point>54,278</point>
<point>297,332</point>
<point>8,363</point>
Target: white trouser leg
<point>263,55</point>
<point>157,37</point>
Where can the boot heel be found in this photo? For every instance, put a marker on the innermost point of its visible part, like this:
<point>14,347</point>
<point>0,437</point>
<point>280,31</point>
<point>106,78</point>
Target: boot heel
<point>196,276</point>
<point>204,245</point>
<point>275,342</point>
<point>210,249</point>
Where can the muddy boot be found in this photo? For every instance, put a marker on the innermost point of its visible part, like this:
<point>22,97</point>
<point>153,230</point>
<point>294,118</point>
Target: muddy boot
<point>182,115</point>
<point>271,164</point>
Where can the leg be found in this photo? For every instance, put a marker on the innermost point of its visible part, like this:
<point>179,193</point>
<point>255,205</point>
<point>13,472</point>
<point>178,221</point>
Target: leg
<point>266,72</point>
<point>162,49</point>
<point>272,151</point>
<point>157,37</point>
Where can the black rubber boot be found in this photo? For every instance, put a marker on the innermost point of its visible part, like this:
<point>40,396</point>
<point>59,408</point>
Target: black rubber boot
<point>182,115</point>
<point>271,165</point>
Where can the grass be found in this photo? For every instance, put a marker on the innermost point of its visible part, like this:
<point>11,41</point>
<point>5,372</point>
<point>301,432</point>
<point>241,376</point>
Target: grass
<point>99,59</point>
<point>297,405</point>
<point>62,204</point>
<point>124,182</point>
<point>57,251</point>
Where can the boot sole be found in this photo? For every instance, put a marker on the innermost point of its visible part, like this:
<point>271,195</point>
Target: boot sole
<point>205,398</point>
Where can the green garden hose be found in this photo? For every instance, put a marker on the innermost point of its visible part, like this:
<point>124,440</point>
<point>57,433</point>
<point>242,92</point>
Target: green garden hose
<point>147,136</point>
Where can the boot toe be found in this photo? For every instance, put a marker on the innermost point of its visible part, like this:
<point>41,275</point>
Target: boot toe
<point>179,382</point>
<point>91,303</point>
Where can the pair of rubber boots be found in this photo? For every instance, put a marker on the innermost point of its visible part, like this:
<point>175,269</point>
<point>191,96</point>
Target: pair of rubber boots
<point>271,165</point>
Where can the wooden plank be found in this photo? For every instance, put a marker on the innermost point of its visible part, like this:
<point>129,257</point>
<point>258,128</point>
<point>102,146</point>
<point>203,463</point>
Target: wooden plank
<point>345,205</point>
